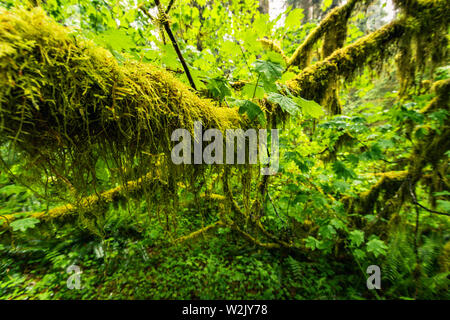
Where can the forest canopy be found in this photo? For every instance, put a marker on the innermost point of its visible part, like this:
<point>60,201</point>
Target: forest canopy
<point>91,93</point>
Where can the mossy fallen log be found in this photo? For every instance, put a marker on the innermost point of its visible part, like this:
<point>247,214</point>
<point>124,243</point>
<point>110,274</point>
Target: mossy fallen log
<point>65,103</point>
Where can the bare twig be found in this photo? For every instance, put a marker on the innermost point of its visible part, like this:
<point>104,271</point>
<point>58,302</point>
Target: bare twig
<point>416,231</point>
<point>413,196</point>
<point>165,22</point>
<point>169,6</point>
<point>274,207</point>
<point>145,11</point>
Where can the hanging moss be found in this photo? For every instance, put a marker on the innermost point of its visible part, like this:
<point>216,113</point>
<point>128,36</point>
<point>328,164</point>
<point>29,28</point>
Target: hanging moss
<point>333,39</point>
<point>67,103</point>
<point>388,184</point>
<point>405,65</point>
<point>442,90</point>
<point>424,45</point>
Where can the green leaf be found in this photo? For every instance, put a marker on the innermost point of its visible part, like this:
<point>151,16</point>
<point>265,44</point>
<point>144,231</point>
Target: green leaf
<point>326,4</point>
<point>249,90</point>
<point>170,57</point>
<point>443,205</point>
<point>356,237</point>
<point>309,107</point>
<point>252,110</point>
<point>327,231</point>
<point>261,24</point>
<point>271,71</point>
<point>288,75</point>
<point>342,171</point>
<point>359,254</point>
<point>286,103</point>
<point>294,19</point>
<point>312,243</point>
<point>24,224</point>
<point>377,247</point>
<point>374,153</point>
<point>218,88</point>
<point>337,224</point>
<point>269,86</point>
<point>229,47</point>
<point>441,193</point>
<point>275,57</point>
<point>116,39</point>
<point>12,189</point>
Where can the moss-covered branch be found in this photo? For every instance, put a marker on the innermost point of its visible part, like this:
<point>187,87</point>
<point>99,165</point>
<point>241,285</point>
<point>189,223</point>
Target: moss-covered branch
<point>313,81</point>
<point>66,103</point>
<point>200,232</point>
<point>394,188</point>
<point>302,56</point>
<point>94,203</point>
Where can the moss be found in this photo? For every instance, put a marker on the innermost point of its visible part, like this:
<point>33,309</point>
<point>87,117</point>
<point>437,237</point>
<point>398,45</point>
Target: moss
<point>340,15</point>
<point>194,235</point>
<point>67,104</point>
<point>425,43</point>
<point>388,184</point>
<point>94,203</point>
<point>314,81</point>
<point>442,90</point>
<point>391,191</point>
<point>273,46</point>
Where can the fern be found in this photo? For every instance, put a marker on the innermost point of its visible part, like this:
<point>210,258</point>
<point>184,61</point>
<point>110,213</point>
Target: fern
<point>429,253</point>
<point>295,267</point>
<point>399,266</point>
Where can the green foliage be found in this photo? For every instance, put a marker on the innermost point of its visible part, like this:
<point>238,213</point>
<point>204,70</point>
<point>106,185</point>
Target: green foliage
<point>294,19</point>
<point>377,247</point>
<point>329,208</point>
<point>285,103</point>
<point>309,107</point>
<point>252,110</point>
<point>356,237</point>
<point>23,224</point>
